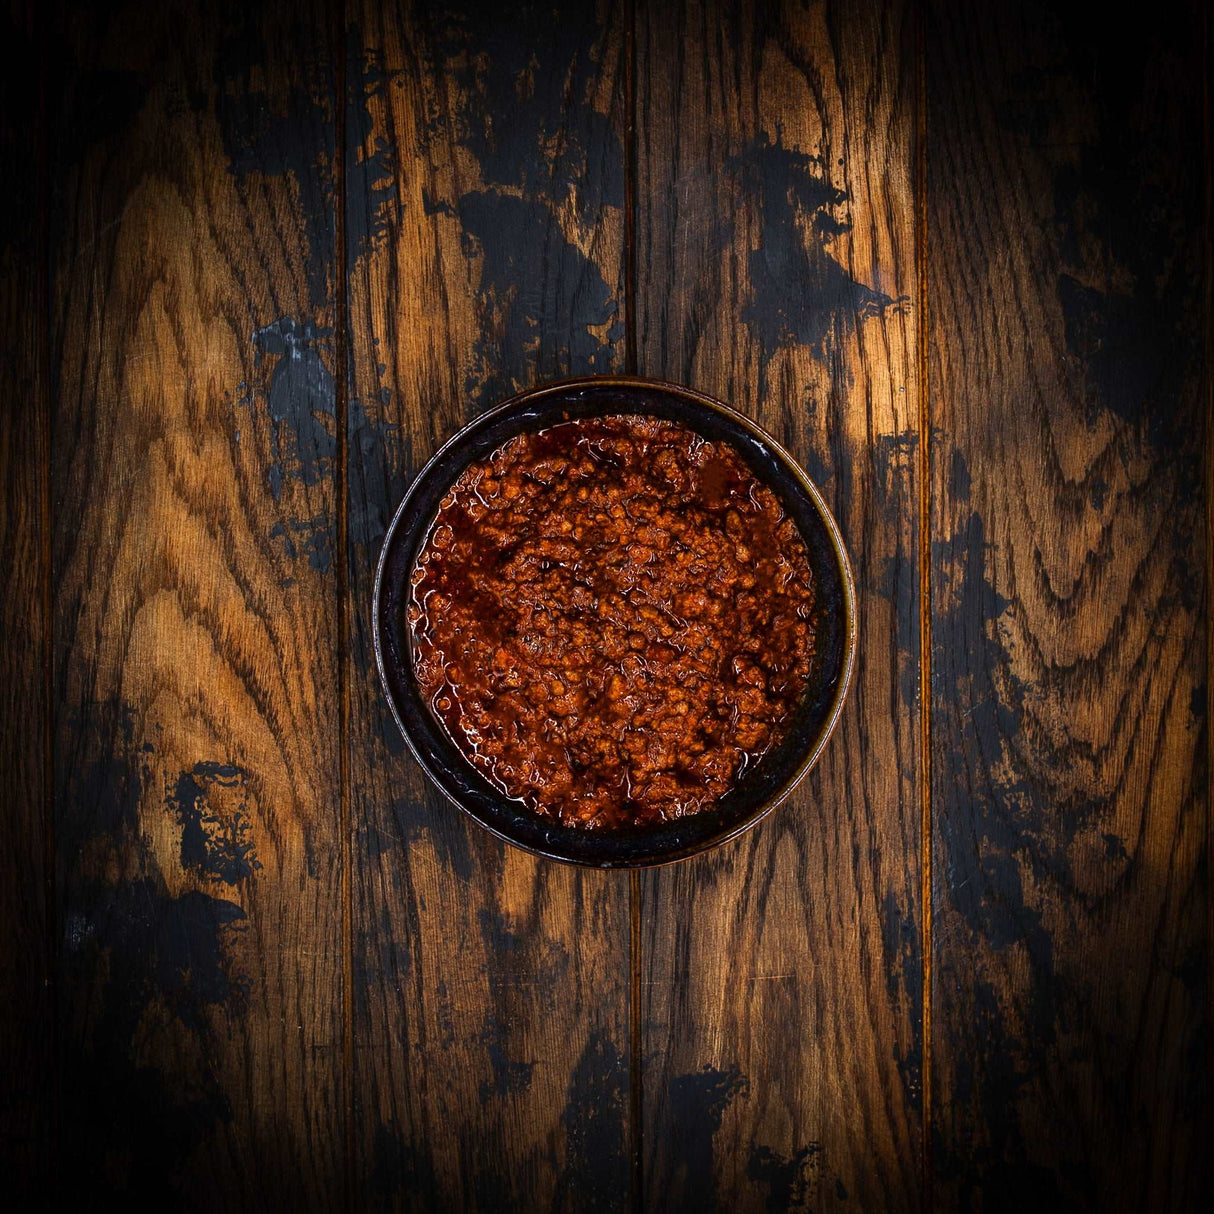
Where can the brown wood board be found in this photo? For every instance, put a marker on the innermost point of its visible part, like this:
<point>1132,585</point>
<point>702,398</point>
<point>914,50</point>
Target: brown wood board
<point>1069,601</point>
<point>781,975</point>
<point>261,260</point>
<point>485,205</point>
<point>197,828</point>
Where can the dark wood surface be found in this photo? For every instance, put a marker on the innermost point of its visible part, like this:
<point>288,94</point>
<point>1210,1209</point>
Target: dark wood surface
<point>485,238</point>
<point>1069,608</point>
<point>26,1005</point>
<point>782,980</point>
<point>260,260</point>
<point>196,719</point>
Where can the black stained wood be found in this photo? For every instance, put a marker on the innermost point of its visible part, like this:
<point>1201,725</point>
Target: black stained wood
<point>197,810</point>
<point>25,1003</point>
<point>485,226</point>
<point>259,260</point>
<point>1070,600</point>
<point>781,976</point>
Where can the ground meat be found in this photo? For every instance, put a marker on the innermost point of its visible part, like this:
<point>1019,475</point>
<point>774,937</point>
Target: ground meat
<point>613,619</point>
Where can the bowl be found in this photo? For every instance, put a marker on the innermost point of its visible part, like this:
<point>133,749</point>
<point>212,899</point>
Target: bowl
<point>771,780</point>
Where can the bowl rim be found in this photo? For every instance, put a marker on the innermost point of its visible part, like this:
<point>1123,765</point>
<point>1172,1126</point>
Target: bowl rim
<point>850,632</point>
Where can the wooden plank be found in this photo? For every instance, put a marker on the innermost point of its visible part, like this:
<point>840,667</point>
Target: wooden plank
<point>485,203</point>
<point>776,254</point>
<point>1069,603</point>
<point>195,608</point>
<point>26,1079</point>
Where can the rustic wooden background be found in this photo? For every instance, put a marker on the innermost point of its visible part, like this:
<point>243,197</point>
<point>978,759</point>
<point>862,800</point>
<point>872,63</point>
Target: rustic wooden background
<point>259,259</point>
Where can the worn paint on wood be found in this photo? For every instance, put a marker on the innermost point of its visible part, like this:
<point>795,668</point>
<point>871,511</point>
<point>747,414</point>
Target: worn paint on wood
<point>776,260</point>
<point>289,251</point>
<point>196,718</point>
<point>1069,601</point>
<point>485,194</point>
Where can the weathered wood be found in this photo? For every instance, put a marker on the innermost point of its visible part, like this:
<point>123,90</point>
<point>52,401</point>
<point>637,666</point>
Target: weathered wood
<point>484,208</point>
<point>775,254</point>
<point>195,606</point>
<point>26,1078</point>
<point>178,549</point>
<point>1069,602</point>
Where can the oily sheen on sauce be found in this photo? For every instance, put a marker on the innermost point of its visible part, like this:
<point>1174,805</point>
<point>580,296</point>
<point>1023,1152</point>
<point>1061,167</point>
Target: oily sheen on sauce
<point>612,619</point>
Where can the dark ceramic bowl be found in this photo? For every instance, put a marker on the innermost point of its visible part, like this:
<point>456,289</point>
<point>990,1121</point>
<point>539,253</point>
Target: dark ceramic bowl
<point>779,771</point>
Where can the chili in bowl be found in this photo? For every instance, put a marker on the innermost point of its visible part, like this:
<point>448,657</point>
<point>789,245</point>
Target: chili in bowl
<point>614,621</point>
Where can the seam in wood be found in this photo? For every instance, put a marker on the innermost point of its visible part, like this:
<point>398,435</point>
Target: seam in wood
<point>635,1080</point>
<point>343,593</point>
<point>1208,165</point>
<point>636,1105</point>
<point>630,194</point>
<point>925,604</point>
<point>46,556</point>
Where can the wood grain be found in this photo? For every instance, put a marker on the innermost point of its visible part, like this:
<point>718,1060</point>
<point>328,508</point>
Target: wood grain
<point>776,254</point>
<point>1069,604</point>
<point>251,277</point>
<point>26,1078</point>
<point>195,612</point>
<point>484,210</point>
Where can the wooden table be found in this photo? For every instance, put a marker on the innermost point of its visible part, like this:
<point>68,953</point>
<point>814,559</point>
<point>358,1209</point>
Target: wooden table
<point>261,259</point>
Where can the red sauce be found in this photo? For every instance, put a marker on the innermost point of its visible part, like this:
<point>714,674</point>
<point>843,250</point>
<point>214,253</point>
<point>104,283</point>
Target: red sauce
<point>612,619</point>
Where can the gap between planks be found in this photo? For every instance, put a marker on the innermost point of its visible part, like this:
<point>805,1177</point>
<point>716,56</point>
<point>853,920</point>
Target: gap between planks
<point>341,480</point>
<point>50,956</point>
<point>635,1043</point>
<point>925,602</point>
